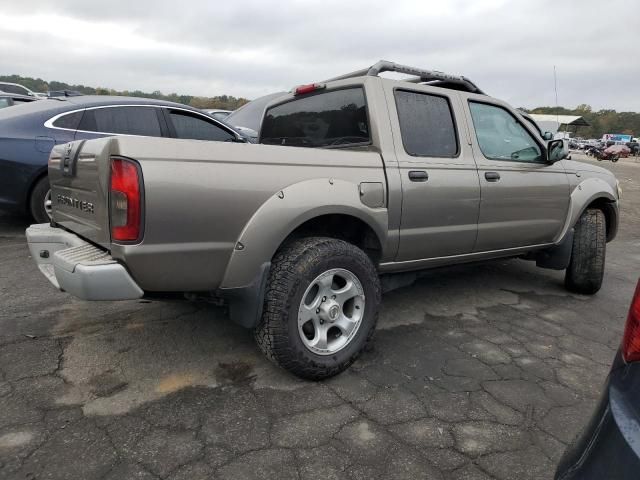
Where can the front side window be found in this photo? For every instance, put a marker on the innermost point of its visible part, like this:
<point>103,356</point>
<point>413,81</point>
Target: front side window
<point>426,124</point>
<point>334,118</point>
<point>5,102</point>
<point>122,120</point>
<point>194,128</point>
<point>501,137</point>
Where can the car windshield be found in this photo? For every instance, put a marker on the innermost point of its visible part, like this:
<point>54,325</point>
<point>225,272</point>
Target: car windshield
<point>220,115</point>
<point>250,114</point>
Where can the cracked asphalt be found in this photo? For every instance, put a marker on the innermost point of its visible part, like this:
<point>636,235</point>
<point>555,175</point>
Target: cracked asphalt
<point>478,371</point>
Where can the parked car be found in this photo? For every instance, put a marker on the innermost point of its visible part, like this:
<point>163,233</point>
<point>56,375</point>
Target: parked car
<point>20,90</point>
<point>609,446</point>
<point>63,93</point>
<point>12,99</point>
<point>28,133</point>
<point>353,178</point>
<point>613,152</point>
<point>217,114</point>
<point>634,148</point>
<point>247,118</point>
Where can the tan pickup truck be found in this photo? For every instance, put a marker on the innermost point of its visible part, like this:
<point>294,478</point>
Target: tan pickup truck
<point>352,179</point>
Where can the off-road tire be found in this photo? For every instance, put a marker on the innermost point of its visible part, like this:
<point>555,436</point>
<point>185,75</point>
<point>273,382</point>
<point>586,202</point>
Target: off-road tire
<point>293,269</point>
<point>36,201</point>
<point>586,267</point>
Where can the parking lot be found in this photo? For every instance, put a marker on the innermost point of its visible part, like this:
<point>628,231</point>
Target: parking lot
<point>478,371</point>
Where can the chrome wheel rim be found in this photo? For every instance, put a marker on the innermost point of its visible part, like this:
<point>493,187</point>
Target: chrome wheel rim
<point>331,311</point>
<point>48,208</point>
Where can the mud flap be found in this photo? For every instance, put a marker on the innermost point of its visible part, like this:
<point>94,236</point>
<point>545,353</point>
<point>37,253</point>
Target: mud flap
<point>245,303</point>
<point>558,256</point>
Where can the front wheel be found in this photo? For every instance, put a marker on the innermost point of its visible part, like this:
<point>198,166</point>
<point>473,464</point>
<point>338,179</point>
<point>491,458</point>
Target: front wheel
<point>586,267</point>
<point>321,307</point>
<point>614,159</point>
<point>40,201</point>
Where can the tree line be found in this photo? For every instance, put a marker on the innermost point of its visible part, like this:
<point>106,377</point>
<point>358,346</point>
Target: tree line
<point>224,102</point>
<point>601,122</point>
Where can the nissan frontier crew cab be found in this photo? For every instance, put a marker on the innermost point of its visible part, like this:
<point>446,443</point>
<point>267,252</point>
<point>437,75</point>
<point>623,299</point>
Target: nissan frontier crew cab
<point>352,178</point>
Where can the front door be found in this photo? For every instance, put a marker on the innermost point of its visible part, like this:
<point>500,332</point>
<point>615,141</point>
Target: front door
<point>525,199</point>
<point>440,187</point>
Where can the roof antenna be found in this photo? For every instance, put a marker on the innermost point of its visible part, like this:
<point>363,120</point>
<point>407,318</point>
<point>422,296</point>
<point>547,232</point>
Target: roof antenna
<point>555,86</point>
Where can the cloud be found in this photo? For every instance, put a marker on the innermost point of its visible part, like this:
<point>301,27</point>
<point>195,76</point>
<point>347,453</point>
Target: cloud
<point>254,47</point>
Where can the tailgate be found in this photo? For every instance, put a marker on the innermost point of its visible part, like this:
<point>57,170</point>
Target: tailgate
<point>79,177</point>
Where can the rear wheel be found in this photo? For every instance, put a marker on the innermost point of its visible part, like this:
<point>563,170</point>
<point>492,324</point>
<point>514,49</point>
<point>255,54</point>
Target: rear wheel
<point>586,267</point>
<point>321,307</point>
<point>40,201</point>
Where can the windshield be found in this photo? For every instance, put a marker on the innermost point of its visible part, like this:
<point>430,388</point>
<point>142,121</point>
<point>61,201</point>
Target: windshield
<point>250,114</point>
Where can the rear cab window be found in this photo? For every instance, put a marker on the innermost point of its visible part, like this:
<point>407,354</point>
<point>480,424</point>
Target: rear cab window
<point>334,118</point>
<point>427,124</point>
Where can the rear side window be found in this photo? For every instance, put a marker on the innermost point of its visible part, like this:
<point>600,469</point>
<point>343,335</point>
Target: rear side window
<point>426,124</point>
<point>195,128</point>
<point>70,121</point>
<point>335,118</point>
<point>122,120</point>
<point>5,102</point>
<point>5,87</point>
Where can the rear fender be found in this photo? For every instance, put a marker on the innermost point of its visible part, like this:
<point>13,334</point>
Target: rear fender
<point>289,208</point>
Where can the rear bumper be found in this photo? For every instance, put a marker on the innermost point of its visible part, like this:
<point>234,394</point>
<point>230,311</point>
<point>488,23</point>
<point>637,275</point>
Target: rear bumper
<point>79,267</point>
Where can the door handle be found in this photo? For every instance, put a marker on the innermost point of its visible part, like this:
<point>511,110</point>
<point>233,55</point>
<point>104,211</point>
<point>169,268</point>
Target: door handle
<point>418,176</point>
<point>492,176</point>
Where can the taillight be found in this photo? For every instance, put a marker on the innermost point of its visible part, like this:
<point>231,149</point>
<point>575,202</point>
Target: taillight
<point>631,339</point>
<point>125,200</point>
<point>312,87</point>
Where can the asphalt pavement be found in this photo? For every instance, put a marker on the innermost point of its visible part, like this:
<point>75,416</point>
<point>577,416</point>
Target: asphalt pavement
<point>479,371</point>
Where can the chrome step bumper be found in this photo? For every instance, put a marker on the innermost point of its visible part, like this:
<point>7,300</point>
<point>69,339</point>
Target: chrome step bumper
<point>79,267</point>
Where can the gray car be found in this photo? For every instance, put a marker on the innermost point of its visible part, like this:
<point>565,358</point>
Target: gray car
<point>353,179</point>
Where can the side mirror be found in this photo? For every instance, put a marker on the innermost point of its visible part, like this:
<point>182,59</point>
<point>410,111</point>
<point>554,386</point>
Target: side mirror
<point>556,150</point>
<point>547,136</point>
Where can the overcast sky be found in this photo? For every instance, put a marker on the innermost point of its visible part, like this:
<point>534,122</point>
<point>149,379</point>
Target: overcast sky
<point>249,48</point>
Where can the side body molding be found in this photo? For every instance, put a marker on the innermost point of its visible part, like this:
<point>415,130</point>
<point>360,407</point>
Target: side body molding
<point>583,194</point>
<point>289,208</point>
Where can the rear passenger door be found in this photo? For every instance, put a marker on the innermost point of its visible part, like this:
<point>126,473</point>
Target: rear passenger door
<point>440,187</point>
<point>525,199</point>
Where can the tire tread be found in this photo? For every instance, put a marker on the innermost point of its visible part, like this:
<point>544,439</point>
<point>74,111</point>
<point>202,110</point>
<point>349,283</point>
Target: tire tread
<point>271,333</point>
<point>586,268</point>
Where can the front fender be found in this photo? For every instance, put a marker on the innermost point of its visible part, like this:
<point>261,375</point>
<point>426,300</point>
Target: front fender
<point>282,213</point>
<point>585,193</point>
